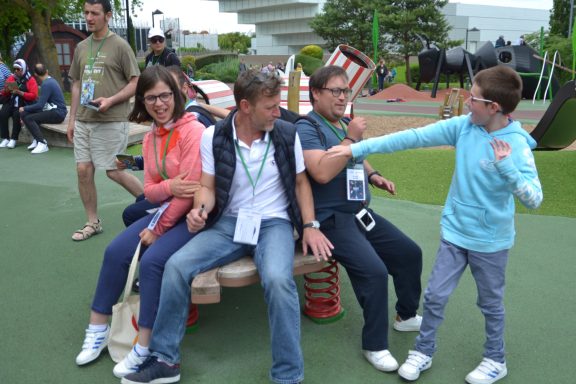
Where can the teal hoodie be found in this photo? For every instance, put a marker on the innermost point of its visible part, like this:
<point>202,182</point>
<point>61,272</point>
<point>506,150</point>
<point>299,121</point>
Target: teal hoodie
<point>479,210</point>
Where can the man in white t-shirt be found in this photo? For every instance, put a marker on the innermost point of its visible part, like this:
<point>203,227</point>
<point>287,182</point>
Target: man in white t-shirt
<point>254,193</point>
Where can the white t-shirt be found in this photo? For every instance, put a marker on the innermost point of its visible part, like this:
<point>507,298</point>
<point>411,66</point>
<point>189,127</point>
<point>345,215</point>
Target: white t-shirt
<point>268,198</point>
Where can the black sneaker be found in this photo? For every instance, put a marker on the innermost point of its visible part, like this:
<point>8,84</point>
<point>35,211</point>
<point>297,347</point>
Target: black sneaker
<point>153,371</point>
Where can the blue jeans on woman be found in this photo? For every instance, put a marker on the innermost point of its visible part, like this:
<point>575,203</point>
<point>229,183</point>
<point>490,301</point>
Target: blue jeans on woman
<point>274,258</point>
<point>117,259</point>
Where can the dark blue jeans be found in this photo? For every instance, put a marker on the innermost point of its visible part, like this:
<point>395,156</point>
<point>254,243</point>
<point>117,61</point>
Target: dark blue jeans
<point>137,210</point>
<point>32,121</point>
<point>117,258</point>
<point>369,257</point>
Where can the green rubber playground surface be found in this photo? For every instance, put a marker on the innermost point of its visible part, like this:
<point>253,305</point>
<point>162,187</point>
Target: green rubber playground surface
<point>47,282</point>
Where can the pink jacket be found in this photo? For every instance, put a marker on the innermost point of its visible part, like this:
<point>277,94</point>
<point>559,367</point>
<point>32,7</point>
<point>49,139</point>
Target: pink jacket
<point>183,156</point>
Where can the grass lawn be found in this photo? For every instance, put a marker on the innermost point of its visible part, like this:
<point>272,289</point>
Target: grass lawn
<point>424,175</point>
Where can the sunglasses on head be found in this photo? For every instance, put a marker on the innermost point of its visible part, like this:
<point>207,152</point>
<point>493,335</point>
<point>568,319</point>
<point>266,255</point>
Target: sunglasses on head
<point>156,39</point>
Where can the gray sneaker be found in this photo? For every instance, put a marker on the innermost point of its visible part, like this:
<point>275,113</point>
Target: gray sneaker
<point>153,371</point>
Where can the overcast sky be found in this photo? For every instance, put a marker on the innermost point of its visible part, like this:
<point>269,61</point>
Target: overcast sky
<point>198,15</point>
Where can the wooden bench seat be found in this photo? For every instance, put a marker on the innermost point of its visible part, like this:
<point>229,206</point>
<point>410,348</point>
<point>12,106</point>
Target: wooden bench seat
<point>206,287</point>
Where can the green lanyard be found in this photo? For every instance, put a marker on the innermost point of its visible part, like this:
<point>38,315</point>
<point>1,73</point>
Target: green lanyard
<point>246,167</point>
<point>162,171</point>
<point>92,59</point>
<point>338,135</point>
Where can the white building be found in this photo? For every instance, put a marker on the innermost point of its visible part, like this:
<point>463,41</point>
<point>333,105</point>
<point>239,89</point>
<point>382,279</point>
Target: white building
<point>477,24</point>
<point>282,27</point>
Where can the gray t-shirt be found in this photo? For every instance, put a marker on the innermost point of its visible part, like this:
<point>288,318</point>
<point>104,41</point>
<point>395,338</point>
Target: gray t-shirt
<point>331,196</point>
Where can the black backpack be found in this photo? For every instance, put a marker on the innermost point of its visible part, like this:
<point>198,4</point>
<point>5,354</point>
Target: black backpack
<point>204,117</point>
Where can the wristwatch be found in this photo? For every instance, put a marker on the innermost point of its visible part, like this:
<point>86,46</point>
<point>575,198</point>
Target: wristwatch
<point>313,224</point>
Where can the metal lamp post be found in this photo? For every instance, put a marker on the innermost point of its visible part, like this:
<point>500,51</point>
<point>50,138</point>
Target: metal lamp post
<point>156,12</point>
<point>474,29</point>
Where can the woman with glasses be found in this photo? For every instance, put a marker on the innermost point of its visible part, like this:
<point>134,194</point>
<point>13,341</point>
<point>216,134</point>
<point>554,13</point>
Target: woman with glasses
<point>20,89</point>
<point>171,153</point>
<point>160,55</point>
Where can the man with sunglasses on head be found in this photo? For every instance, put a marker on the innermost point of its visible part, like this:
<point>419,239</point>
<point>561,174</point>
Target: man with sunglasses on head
<point>104,72</point>
<point>254,194</point>
<point>368,246</point>
<point>160,55</point>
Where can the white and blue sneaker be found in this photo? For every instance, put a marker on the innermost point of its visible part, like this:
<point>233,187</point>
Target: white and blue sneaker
<point>94,344</point>
<point>414,364</point>
<point>487,372</point>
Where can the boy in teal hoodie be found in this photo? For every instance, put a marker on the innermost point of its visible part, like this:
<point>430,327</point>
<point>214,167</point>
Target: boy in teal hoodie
<point>494,164</point>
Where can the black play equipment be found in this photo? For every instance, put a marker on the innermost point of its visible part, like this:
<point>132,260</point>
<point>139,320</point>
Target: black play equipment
<point>457,61</point>
<point>556,129</point>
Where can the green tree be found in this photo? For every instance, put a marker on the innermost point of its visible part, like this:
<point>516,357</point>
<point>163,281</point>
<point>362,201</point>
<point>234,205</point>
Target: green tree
<point>405,21</point>
<point>347,22</point>
<point>559,18</point>
<point>401,24</point>
<point>236,41</point>
<point>18,16</point>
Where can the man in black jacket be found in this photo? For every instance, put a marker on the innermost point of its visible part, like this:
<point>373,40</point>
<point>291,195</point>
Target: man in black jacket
<point>160,55</point>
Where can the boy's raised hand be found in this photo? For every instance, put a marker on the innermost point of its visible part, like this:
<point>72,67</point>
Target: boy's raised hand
<point>340,151</point>
<point>501,149</point>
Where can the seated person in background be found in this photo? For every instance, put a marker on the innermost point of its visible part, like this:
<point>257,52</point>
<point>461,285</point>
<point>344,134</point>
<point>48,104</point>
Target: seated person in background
<point>50,108</point>
<point>19,90</point>
<point>494,165</point>
<point>172,150</point>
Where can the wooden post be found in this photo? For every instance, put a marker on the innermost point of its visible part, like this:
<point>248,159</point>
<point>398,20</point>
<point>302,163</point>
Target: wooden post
<point>294,91</point>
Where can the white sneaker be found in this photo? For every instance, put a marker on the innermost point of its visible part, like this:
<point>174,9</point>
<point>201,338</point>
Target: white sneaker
<point>381,360</point>
<point>409,325</point>
<point>33,145</point>
<point>11,144</point>
<point>414,364</point>
<point>40,148</point>
<point>94,343</point>
<point>4,143</point>
<point>129,364</point>
<point>488,372</point>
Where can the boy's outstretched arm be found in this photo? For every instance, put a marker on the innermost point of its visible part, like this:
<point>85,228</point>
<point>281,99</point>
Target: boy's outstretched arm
<point>523,178</point>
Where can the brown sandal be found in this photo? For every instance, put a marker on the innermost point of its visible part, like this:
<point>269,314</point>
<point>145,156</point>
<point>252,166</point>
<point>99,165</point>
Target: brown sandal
<point>88,230</point>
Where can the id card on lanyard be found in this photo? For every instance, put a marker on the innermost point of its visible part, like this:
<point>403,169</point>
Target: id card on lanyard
<point>355,182</point>
<point>248,224</point>
<point>88,85</point>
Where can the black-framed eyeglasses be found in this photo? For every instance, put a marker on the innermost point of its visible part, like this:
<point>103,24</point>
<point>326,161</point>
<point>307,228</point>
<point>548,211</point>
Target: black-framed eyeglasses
<point>164,97</point>
<point>156,39</point>
<point>336,92</point>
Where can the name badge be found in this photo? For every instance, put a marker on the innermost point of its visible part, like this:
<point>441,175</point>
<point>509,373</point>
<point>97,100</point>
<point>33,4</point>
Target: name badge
<point>157,215</point>
<point>355,185</point>
<point>247,227</point>
<point>87,92</point>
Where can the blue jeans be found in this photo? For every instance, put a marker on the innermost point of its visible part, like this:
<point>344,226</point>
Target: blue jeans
<point>274,258</point>
<point>117,259</point>
<point>489,272</point>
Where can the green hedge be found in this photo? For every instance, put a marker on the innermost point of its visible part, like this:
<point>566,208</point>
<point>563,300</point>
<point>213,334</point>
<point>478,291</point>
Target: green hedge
<point>203,61</point>
<point>309,63</point>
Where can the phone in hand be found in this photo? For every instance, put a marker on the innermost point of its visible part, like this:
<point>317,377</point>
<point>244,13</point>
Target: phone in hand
<point>365,219</point>
<point>92,105</point>
<point>128,160</point>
